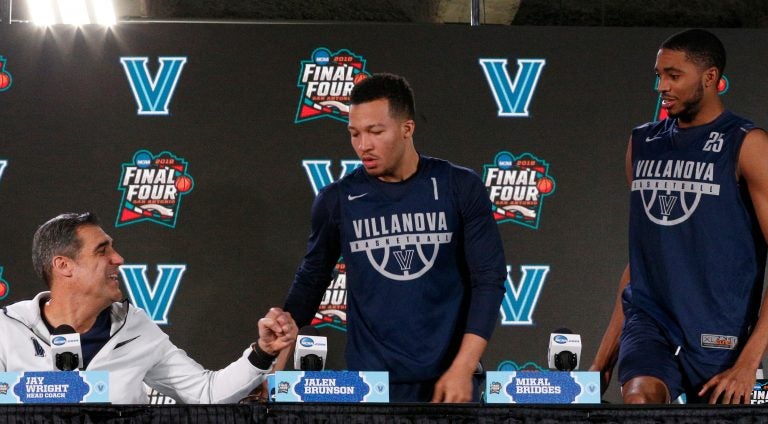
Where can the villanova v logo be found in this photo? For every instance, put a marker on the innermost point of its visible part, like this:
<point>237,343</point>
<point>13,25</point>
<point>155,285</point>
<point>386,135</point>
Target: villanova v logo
<point>319,171</point>
<point>513,98</point>
<point>404,259</point>
<point>155,301</point>
<point>153,95</point>
<point>666,203</point>
<point>3,164</point>
<point>519,302</point>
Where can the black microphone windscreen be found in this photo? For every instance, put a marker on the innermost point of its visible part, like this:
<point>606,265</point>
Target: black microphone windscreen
<point>63,329</point>
<point>563,330</point>
<point>308,330</point>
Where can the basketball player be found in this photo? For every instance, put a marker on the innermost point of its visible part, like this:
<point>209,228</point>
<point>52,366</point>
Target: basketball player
<point>698,223</point>
<point>424,260</point>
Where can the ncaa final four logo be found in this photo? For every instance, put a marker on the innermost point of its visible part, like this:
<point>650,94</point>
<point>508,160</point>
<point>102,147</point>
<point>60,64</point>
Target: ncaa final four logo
<point>326,81</point>
<point>517,187</point>
<point>332,311</point>
<point>152,188</point>
<point>5,77</point>
<point>4,286</point>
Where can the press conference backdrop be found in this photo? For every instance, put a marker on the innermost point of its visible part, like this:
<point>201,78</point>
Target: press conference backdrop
<point>202,146</point>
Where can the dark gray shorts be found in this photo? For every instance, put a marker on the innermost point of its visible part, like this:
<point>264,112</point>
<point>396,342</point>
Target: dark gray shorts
<point>645,350</point>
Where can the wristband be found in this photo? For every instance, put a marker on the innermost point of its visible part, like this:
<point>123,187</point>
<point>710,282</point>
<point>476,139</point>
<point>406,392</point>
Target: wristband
<point>260,359</point>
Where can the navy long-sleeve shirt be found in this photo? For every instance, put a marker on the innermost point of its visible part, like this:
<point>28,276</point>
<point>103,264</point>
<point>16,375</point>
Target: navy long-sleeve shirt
<point>424,262</point>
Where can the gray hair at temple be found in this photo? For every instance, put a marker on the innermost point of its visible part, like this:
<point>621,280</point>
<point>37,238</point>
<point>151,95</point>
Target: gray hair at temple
<point>57,237</point>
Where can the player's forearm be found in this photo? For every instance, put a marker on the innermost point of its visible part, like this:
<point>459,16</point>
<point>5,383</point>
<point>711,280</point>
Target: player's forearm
<point>608,351</point>
<point>756,345</point>
<point>470,352</point>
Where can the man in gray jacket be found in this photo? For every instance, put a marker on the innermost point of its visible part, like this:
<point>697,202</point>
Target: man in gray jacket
<point>76,259</point>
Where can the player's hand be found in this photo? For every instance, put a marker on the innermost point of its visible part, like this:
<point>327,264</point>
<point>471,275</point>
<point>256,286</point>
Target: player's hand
<point>455,386</point>
<point>277,331</point>
<point>731,386</point>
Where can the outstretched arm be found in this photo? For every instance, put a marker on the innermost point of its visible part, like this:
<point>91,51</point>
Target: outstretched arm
<point>735,384</point>
<point>608,352</point>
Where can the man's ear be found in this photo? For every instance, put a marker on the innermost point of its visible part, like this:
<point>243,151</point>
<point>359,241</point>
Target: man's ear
<point>409,126</point>
<point>711,77</point>
<point>62,266</point>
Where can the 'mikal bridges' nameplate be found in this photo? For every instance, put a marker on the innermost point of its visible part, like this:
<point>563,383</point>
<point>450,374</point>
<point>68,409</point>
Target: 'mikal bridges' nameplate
<point>542,387</point>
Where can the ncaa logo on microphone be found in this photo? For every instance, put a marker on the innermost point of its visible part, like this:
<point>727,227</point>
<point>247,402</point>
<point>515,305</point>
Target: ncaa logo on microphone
<point>307,342</point>
<point>59,340</point>
<point>560,339</point>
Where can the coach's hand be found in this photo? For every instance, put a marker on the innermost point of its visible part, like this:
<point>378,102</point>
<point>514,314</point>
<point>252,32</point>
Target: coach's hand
<point>277,331</point>
<point>731,386</point>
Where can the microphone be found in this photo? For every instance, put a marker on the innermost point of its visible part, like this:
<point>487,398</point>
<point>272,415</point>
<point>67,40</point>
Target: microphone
<point>66,353</point>
<point>311,350</point>
<point>564,350</point>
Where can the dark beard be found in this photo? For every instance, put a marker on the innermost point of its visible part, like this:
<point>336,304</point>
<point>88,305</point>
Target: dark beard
<point>691,108</point>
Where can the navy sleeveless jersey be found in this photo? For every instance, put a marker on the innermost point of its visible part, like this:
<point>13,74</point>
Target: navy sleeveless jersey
<point>697,255</point>
<point>424,265</point>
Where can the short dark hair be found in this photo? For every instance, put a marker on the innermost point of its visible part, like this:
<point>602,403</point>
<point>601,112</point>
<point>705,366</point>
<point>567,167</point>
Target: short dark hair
<point>386,86</point>
<point>700,46</point>
<point>56,237</point>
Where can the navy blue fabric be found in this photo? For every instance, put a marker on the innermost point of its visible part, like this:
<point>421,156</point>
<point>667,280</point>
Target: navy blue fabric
<point>423,391</point>
<point>697,255</point>
<point>647,351</point>
<point>425,265</point>
<point>94,339</point>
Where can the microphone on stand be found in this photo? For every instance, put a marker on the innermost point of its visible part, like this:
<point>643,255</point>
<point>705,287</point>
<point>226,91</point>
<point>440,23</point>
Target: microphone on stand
<point>311,350</point>
<point>66,353</point>
<point>564,350</point>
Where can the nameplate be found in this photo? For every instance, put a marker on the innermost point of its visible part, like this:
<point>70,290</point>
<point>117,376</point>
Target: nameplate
<point>54,387</point>
<point>542,387</point>
<point>331,386</point>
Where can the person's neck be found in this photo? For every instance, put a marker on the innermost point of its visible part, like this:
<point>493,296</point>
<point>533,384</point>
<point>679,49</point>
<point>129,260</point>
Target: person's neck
<point>60,310</point>
<point>408,167</point>
<point>706,115</point>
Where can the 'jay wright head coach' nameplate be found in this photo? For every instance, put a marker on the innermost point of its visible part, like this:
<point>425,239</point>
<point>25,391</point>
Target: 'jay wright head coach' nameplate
<point>54,387</point>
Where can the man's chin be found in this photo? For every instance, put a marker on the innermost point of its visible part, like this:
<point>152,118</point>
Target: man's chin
<point>118,297</point>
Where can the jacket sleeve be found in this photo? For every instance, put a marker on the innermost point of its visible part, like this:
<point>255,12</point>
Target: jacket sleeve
<point>182,378</point>
<point>323,249</point>
<point>484,254</point>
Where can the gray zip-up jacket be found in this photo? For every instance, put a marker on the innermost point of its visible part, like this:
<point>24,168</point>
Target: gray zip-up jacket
<point>137,352</point>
